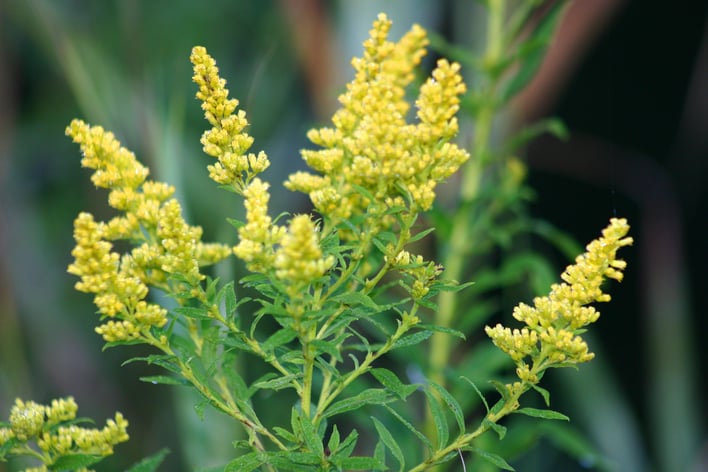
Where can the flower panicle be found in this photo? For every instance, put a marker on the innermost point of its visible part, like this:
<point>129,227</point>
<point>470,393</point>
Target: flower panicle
<point>372,146</point>
<point>553,324</point>
<point>152,218</point>
<point>227,140</point>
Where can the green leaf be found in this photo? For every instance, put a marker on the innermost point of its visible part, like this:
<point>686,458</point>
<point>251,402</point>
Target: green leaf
<point>280,337</point>
<point>285,434</point>
<point>246,462</point>
<point>391,381</point>
<point>410,427</point>
<point>501,388</point>
<point>312,439</point>
<point>360,463</point>
<point>150,463</point>
<point>327,348</point>
<point>228,294</point>
<point>387,438</point>
<point>75,461</point>
<point>348,445</point>
<point>550,125</point>
<point>479,393</point>
<point>163,379</point>
<point>372,396</point>
<point>356,299</point>
<point>441,329</point>
<point>544,393</point>
<point>441,428</point>
<point>496,427</point>
<point>545,414</point>
<point>333,442</point>
<point>412,339</point>
<point>421,235</point>
<point>295,461</point>
<point>492,458</point>
<point>532,52</point>
<point>278,383</point>
<point>198,313</point>
<point>452,404</point>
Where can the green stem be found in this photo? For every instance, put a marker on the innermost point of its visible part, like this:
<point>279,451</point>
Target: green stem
<point>347,379</point>
<point>496,413</point>
<point>454,260</point>
<point>308,353</point>
<point>469,189</point>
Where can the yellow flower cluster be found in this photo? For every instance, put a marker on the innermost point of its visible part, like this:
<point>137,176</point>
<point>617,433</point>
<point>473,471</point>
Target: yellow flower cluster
<point>550,337</point>
<point>150,216</point>
<point>226,141</point>
<point>30,421</point>
<point>299,259</point>
<point>372,146</point>
<point>259,235</point>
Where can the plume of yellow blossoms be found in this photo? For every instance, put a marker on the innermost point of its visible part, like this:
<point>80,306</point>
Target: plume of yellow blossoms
<point>50,428</point>
<point>554,322</point>
<point>294,252</point>
<point>226,141</point>
<point>166,246</point>
<point>372,147</point>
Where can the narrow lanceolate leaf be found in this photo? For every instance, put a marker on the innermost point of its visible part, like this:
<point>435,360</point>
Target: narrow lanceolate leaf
<point>312,439</point>
<point>151,463</point>
<point>410,427</point>
<point>278,383</point>
<point>484,400</point>
<point>361,463</point>
<point>439,419</point>
<point>333,443</point>
<point>163,379</point>
<point>355,299</point>
<point>544,393</point>
<point>387,438</point>
<point>246,463</point>
<point>442,329</point>
<point>372,396</point>
<point>545,414</point>
<point>75,461</point>
<point>199,313</point>
<point>412,339</point>
<point>492,458</point>
<point>391,381</point>
<point>452,404</point>
<point>280,337</point>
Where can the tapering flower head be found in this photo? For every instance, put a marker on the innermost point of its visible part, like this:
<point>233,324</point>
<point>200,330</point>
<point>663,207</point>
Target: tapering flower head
<point>226,141</point>
<point>299,259</point>
<point>371,146</point>
<point>554,322</point>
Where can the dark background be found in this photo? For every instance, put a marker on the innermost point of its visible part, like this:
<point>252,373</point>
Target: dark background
<point>632,91</point>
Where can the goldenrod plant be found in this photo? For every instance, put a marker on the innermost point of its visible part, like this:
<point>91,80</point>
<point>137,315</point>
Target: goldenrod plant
<point>343,285</point>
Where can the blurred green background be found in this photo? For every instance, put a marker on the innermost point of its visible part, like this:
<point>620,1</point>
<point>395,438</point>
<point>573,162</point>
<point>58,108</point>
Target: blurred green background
<point>628,81</point>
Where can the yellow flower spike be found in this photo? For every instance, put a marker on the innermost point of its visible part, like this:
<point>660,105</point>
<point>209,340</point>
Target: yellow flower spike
<point>259,234</point>
<point>114,166</point>
<point>298,260</point>
<point>372,146</point>
<point>552,323</point>
<point>226,141</point>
